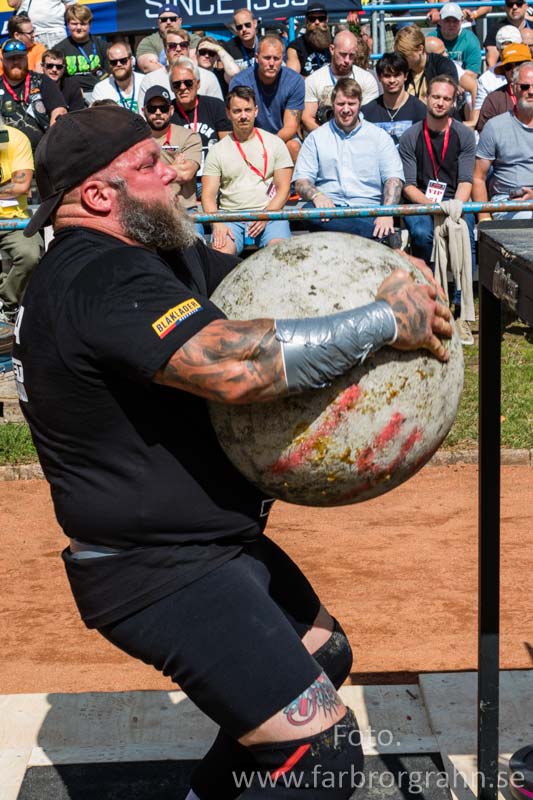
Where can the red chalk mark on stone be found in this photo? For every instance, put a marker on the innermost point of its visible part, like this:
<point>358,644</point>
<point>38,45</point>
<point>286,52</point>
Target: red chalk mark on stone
<point>305,448</point>
<point>365,462</point>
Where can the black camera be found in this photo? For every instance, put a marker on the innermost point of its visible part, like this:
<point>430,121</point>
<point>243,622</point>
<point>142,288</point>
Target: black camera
<point>324,114</point>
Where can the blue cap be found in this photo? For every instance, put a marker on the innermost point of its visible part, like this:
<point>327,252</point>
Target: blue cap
<point>13,47</point>
<point>169,10</point>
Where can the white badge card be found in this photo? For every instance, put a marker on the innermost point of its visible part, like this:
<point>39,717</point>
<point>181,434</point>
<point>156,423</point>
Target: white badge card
<point>435,191</point>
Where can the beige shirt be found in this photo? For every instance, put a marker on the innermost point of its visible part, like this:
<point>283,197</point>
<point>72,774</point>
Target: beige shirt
<point>241,188</point>
<point>319,85</point>
<point>190,144</point>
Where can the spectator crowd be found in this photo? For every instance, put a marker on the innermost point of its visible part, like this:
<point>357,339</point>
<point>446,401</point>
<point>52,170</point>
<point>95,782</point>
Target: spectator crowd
<point>252,121</point>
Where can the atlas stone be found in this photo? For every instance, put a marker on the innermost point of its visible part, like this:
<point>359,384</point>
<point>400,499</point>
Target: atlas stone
<point>371,429</point>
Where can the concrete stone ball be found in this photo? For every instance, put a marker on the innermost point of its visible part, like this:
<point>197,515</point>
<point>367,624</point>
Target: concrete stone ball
<point>373,427</point>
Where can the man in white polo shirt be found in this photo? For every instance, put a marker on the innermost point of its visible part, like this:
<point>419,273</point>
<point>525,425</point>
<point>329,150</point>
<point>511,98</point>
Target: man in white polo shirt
<point>123,85</point>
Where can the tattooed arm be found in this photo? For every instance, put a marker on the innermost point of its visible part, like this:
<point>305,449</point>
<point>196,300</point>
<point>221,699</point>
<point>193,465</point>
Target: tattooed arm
<point>19,184</point>
<point>309,192</point>
<point>392,192</point>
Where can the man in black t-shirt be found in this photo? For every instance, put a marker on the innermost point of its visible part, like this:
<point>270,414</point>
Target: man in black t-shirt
<point>515,14</point>
<point>53,64</point>
<point>243,46</point>
<point>311,51</point>
<point>395,110</point>
<point>29,101</point>
<point>117,349</point>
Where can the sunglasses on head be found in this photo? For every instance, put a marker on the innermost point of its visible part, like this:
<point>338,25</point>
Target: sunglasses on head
<point>14,47</point>
<point>173,18</point>
<point>189,83</point>
<point>177,45</point>
<point>54,66</point>
<point>243,25</point>
<point>164,108</point>
<point>116,61</point>
<point>317,18</point>
<point>525,87</point>
<point>209,53</point>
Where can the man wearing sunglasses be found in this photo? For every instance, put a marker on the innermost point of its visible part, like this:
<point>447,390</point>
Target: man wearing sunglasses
<point>243,46</point>
<point>515,14</point>
<point>177,45</point>
<point>124,84</point>
<point>311,51</point>
<point>21,27</point>
<point>47,16</point>
<point>503,99</point>
<point>149,49</point>
<point>209,53</point>
<point>29,101</point>
<point>506,145</point>
<point>53,66</point>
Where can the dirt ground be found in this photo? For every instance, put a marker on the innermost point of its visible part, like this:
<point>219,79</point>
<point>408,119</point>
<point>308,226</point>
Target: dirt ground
<point>399,572</point>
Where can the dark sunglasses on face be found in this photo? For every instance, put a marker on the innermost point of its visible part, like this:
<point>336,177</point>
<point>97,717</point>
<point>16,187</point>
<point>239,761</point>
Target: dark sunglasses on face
<point>164,108</point>
<point>518,3</point>
<point>116,61</point>
<point>168,19</point>
<point>525,87</point>
<point>208,53</point>
<point>189,83</point>
<point>59,67</point>
<point>243,25</point>
<point>177,45</point>
<point>317,18</point>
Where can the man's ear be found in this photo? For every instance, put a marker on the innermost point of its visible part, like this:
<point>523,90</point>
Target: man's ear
<point>98,195</point>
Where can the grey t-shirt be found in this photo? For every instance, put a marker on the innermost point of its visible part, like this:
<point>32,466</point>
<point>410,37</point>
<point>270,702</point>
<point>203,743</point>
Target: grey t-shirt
<point>509,145</point>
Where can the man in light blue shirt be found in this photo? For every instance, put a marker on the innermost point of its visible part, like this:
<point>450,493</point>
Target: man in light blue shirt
<point>349,162</point>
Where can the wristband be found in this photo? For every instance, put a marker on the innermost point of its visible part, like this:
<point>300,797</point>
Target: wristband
<point>317,350</point>
<point>314,195</point>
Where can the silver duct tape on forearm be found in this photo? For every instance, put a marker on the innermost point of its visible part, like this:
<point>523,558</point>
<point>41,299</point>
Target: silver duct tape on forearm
<point>317,350</point>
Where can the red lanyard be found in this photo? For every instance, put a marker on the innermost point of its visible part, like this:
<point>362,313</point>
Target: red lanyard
<point>511,95</point>
<point>185,115</point>
<point>167,140</point>
<point>430,147</point>
<point>24,98</point>
<point>263,174</point>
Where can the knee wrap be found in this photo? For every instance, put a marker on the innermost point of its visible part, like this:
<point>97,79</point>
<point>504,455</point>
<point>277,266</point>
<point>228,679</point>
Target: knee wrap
<point>326,766</point>
<point>335,656</point>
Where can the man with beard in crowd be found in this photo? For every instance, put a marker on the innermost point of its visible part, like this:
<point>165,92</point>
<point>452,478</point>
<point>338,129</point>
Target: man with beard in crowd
<point>124,84</point>
<point>117,349</point>
<point>311,51</point>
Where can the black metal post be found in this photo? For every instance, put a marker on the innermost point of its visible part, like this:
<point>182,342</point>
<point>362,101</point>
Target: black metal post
<point>489,542</point>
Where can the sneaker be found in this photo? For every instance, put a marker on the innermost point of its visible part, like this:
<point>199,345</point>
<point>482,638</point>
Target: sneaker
<point>465,334</point>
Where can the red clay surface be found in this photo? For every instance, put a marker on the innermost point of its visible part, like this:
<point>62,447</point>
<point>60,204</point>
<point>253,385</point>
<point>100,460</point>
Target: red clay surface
<point>399,572</point>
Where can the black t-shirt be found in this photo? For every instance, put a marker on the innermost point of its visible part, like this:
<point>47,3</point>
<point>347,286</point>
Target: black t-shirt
<point>394,122</point>
<point>448,170</point>
<point>29,110</point>
<point>87,62</point>
<point>310,60</point>
<point>243,56</point>
<point>71,91</point>
<point>436,64</point>
<point>132,465</point>
<point>210,118</point>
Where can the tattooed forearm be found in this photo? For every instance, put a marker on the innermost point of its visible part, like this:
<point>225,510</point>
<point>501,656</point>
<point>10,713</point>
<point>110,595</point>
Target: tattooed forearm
<point>229,362</point>
<point>16,185</point>
<point>295,112</point>
<point>320,697</point>
<point>305,188</point>
<point>392,191</point>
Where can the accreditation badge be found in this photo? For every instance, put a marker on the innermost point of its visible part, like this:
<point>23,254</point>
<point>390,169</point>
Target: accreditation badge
<point>435,191</point>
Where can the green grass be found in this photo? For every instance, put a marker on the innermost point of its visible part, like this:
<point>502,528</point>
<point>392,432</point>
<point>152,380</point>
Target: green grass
<point>517,402</point>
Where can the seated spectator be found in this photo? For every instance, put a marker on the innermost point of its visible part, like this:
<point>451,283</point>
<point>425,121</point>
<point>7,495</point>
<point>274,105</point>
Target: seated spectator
<point>177,42</point>
<point>279,92</point>
<point>515,14</point>
<point>30,101</point>
<point>527,38</point>
<point>16,171</point>
<point>319,85</point>
<point>489,80</point>
<point>506,145</point>
<point>311,50</point>
<point>470,15</point>
<point>503,99</point>
<point>54,68</point>
<point>349,162</point>
<point>85,54</point>
<point>438,161</point>
<point>180,147</point>
<point>47,16</point>
<point>124,84</point>
<point>410,42</point>
<point>243,47</point>
<point>21,27</point>
<point>149,49</point>
<point>208,54</point>
<point>252,172</point>
<point>467,82</point>
<point>461,44</point>
<point>395,110</point>
<point>203,115</point>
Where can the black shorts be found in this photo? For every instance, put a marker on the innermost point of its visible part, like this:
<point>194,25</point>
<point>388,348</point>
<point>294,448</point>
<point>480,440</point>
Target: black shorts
<point>231,639</point>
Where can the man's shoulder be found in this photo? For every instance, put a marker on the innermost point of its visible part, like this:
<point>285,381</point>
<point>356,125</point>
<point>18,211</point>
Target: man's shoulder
<point>211,104</point>
<point>498,125</point>
<point>289,77</point>
<point>410,137</point>
<point>297,44</point>
<point>465,134</point>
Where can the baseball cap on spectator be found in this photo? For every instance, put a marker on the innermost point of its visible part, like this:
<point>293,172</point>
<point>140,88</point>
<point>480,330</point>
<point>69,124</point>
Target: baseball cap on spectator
<point>451,10</point>
<point>513,54</point>
<point>66,154</point>
<point>169,10</point>
<point>157,91</point>
<point>316,8</point>
<point>507,34</point>
<point>13,47</point>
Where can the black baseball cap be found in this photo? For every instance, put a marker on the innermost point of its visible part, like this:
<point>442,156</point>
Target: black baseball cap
<point>316,8</point>
<point>14,47</point>
<point>156,91</point>
<point>169,10</point>
<point>79,144</point>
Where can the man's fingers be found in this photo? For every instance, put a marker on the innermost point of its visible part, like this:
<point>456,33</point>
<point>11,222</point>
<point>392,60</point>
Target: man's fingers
<point>438,349</point>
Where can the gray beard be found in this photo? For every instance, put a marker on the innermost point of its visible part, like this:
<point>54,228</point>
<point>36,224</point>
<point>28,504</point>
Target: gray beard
<point>155,225</point>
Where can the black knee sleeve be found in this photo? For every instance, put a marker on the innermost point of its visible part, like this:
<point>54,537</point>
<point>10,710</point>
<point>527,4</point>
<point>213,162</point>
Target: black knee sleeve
<point>326,766</point>
<point>335,656</point>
